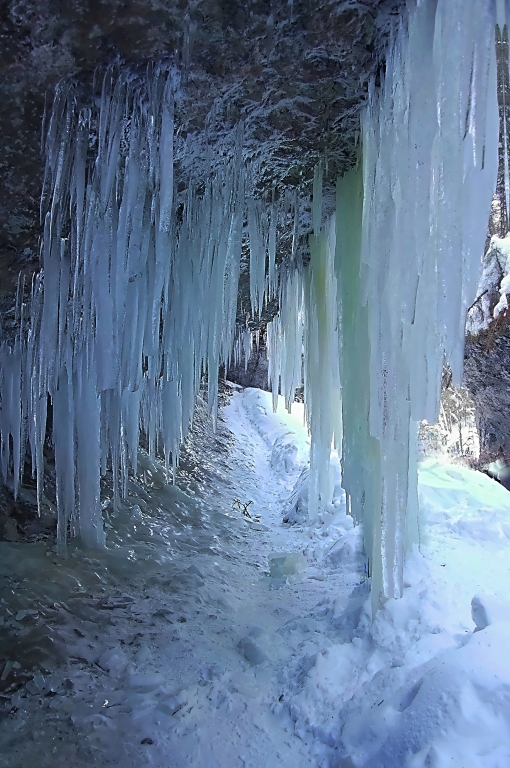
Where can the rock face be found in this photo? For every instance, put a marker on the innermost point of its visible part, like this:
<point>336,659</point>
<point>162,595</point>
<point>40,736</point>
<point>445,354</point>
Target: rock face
<point>487,376</point>
<point>294,72</point>
<point>487,354</point>
<point>255,374</point>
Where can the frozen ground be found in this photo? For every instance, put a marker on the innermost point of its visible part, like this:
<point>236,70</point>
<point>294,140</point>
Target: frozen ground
<point>204,638</point>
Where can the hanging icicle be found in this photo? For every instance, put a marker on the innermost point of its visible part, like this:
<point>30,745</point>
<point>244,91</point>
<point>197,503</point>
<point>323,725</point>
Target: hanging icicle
<point>303,343</point>
<point>389,282</point>
<point>430,139</point>
<point>133,303</point>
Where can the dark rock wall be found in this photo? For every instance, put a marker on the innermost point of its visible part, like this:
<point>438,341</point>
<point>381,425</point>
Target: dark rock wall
<point>487,376</point>
<point>487,358</point>
<point>295,72</point>
<point>255,374</point>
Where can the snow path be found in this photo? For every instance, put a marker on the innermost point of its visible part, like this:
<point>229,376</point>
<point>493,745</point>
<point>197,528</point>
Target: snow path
<point>202,639</point>
<point>179,647</point>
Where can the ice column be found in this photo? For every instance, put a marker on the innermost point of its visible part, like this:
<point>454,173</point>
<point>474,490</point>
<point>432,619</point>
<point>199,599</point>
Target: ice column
<point>321,354</point>
<point>305,336</point>
<point>361,451</point>
<point>430,139</point>
<point>385,294</point>
<point>285,340</point>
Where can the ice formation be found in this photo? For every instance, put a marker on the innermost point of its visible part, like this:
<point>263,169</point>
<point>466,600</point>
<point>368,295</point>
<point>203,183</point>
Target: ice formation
<point>410,230</point>
<point>137,297</point>
<point>138,293</point>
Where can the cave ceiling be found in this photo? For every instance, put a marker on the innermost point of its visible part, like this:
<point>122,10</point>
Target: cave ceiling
<point>295,74</point>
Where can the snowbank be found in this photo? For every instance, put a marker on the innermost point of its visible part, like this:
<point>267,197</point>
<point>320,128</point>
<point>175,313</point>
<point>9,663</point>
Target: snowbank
<point>426,684</point>
<point>203,638</point>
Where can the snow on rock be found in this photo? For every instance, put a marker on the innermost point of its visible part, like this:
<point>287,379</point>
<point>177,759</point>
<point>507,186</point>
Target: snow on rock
<point>283,454</point>
<point>420,686</point>
<point>285,564</point>
<point>296,506</point>
<point>113,661</point>
<point>504,286</point>
<point>493,287</point>
<point>178,637</point>
<point>274,426</point>
<point>347,550</point>
<point>459,501</point>
<point>405,688</point>
<point>251,651</point>
<point>455,711</point>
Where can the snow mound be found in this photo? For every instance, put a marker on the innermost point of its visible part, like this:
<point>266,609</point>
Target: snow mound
<point>426,682</point>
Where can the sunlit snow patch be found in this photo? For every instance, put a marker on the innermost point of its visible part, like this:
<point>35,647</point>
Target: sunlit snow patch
<point>427,683</point>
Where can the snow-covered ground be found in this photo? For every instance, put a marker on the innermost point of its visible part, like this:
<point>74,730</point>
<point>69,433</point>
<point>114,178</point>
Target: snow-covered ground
<point>204,637</point>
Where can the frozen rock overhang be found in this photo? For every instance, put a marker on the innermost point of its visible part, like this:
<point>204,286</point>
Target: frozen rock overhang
<point>138,292</point>
<point>296,73</point>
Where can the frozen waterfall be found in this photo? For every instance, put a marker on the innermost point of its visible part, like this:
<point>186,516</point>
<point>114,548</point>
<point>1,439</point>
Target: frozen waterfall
<point>430,138</point>
<point>136,299</point>
<point>137,296</point>
<point>407,241</point>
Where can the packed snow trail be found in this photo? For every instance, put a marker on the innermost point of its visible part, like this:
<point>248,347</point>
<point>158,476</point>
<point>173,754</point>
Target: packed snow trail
<point>179,641</point>
<point>203,638</point>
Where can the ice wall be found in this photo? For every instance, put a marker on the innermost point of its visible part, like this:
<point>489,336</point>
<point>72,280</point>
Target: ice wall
<point>407,241</point>
<point>136,299</point>
<point>138,293</point>
<point>430,140</point>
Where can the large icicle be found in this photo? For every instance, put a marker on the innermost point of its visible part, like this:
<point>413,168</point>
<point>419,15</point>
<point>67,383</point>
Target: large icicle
<point>321,358</point>
<point>410,229</point>
<point>307,331</point>
<point>285,341</point>
<point>361,451</point>
<point>133,302</point>
<point>430,138</point>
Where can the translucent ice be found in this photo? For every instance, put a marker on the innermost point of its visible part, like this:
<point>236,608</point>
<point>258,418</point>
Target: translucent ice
<point>137,297</point>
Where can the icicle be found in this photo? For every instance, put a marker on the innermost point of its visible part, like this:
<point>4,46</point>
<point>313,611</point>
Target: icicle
<point>258,230</point>
<point>322,392</point>
<point>361,451</point>
<point>291,332</point>
<point>133,303</point>
<point>430,156</point>
<point>410,228</point>
<point>272,251</point>
<point>317,200</point>
<point>501,13</point>
<point>309,315</point>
